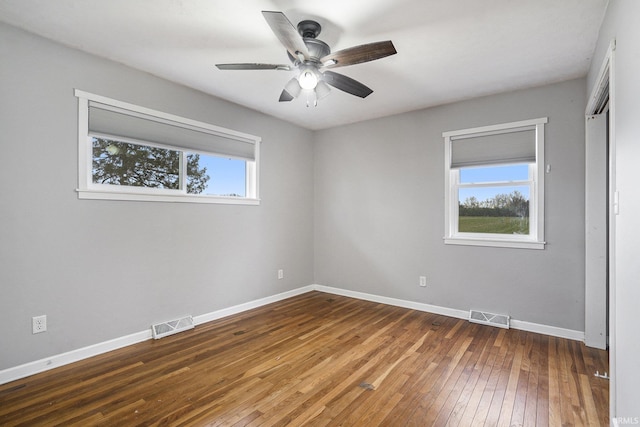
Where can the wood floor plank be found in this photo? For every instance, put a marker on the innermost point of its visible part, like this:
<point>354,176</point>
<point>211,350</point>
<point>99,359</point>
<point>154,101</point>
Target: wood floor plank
<point>566,394</point>
<point>482,411</point>
<point>322,360</point>
<point>479,387</point>
<point>371,408</point>
<point>543,396</point>
<point>500,391</point>
<point>454,348</point>
<point>510,394</point>
<point>555,413</point>
<point>529,415</point>
<point>445,405</point>
<point>522,388</point>
<point>427,412</point>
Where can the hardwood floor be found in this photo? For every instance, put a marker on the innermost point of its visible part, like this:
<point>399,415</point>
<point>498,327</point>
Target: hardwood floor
<point>319,359</point>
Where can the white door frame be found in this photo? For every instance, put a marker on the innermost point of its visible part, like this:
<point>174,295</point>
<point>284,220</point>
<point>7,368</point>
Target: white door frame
<point>605,88</point>
<point>595,241</point>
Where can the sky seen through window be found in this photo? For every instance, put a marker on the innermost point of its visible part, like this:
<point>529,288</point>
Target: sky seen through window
<point>488,174</point>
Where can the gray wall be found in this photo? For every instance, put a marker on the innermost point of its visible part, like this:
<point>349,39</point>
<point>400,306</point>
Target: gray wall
<point>379,213</point>
<point>621,23</point>
<point>358,207</point>
<point>104,269</point>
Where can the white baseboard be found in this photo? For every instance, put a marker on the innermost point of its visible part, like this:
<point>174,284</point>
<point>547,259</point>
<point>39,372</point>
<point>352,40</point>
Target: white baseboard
<point>553,331</point>
<point>219,314</point>
<point>31,368</point>
<point>452,312</point>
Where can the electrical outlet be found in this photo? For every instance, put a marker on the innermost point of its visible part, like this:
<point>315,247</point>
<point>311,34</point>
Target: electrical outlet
<point>280,274</point>
<point>423,281</point>
<point>39,324</point>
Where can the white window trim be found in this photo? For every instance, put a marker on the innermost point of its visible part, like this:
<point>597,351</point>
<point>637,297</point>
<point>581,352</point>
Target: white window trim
<point>535,240</point>
<point>89,190</point>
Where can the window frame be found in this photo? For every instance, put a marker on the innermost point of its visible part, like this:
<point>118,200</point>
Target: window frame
<point>535,238</point>
<point>87,189</point>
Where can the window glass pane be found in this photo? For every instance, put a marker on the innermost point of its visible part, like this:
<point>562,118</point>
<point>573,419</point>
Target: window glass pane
<point>123,163</point>
<point>494,209</point>
<point>216,176</point>
<point>494,173</point>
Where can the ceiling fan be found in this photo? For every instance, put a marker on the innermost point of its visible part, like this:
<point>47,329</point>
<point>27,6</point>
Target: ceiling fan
<point>313,59</point>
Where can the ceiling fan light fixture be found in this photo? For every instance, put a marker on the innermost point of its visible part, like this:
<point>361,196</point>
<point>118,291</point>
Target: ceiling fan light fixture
<point>322,90</point>
<point>308,78</point>
<point>293,87</point>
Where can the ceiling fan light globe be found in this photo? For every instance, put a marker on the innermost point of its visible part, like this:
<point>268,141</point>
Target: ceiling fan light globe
<point>322,90</point>
<point>308,79</point>
<point>293,87</point>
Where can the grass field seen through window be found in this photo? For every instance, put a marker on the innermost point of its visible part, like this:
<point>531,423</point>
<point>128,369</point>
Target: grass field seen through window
<point>493,225</point>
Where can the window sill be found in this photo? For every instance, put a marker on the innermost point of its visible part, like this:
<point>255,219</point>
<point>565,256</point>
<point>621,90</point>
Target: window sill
<point>496,243</point>
<point>178,198</point>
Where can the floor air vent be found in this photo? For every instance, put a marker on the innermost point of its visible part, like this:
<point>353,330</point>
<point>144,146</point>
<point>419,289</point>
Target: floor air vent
<point>171,327</point>
<point>499,320</point>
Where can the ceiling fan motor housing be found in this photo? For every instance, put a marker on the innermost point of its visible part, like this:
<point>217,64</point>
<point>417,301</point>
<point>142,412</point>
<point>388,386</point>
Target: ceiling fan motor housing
<point>317,49</point>
<point>309,29</point>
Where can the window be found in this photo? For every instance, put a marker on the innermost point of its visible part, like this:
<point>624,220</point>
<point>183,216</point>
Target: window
<point>127,152</point>
<point>494,185</point>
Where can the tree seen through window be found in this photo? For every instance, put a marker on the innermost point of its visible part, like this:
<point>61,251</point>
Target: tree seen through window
<point>135,165</point>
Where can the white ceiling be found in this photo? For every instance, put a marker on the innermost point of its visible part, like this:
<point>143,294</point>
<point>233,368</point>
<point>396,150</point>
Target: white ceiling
<point>448,50</point>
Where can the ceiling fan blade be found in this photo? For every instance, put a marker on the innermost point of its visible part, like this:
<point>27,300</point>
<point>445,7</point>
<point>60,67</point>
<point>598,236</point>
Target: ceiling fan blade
<point>253,67</point>
<point>286,33</point>
<point>359,54</point>
<point>346,84</point>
